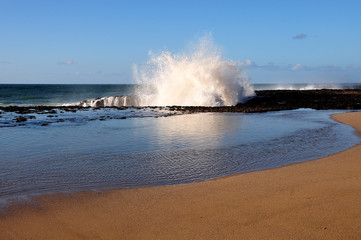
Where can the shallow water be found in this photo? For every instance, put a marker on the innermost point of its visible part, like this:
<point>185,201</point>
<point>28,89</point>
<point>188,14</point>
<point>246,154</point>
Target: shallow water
<point>143,151</point>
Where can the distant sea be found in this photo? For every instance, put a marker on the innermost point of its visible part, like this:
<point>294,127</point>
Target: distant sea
<point>58,94</point>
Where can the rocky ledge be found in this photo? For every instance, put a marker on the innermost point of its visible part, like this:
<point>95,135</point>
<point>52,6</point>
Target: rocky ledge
<point>277,100</point>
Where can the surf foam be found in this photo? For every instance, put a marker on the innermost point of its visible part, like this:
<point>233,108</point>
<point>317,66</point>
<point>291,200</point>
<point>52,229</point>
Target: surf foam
<point>198,78</point>
<point>113,101</point>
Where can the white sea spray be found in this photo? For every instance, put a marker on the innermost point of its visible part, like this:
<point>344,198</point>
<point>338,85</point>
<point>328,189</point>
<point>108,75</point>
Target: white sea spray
<point>200,77</point>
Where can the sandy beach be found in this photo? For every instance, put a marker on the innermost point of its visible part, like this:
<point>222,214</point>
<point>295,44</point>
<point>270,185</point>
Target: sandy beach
<point>319,199</point>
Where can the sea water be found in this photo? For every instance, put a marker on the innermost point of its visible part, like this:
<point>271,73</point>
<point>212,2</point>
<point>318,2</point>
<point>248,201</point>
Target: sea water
<point>59,94</point>
<point>152,150</point>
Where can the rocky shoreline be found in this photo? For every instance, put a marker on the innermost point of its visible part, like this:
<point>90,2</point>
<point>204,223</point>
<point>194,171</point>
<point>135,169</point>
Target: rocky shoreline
<point>265,100</point>
<point>278,100</point>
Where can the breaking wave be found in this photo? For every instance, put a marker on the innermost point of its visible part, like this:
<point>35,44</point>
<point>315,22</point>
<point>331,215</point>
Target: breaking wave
<point>197,78</point>
<point>113,101</point>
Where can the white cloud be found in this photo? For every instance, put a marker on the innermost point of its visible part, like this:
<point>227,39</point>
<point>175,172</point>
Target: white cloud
<point>247,63</point>
<point>251,64</point>
<point>297,67</point>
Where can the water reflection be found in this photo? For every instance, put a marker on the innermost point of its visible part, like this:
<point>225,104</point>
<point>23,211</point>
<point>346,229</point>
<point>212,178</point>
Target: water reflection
<point>196,130</point>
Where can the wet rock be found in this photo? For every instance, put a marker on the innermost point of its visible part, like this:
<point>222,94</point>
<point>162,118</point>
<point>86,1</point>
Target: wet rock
<point>316,99</point>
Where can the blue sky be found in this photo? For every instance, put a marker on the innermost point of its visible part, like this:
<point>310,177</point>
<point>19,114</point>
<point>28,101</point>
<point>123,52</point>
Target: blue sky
<point>98,41</point>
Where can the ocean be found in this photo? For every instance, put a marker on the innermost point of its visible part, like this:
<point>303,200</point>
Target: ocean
<point>96,149</point>
<point>58,94</point>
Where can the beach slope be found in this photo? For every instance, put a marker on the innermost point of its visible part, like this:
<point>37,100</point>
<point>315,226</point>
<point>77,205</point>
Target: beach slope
<point>318,199</point>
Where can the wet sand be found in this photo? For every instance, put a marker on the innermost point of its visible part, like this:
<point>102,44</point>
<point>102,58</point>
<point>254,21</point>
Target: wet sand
<point>319,199</point>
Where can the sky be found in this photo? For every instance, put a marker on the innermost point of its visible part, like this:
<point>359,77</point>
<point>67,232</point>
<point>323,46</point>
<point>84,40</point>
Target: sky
<point>88,42</point>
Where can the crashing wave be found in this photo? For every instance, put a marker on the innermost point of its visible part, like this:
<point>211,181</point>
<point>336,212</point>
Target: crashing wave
<point>196,78</point>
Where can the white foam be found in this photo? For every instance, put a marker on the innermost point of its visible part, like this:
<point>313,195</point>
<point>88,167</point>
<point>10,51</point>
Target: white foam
<point>306,86</point>
<point>113,101</point>
<point>198,78</point>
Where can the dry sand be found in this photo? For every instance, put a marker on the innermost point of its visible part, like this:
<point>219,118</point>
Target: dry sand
<point>319,199</point>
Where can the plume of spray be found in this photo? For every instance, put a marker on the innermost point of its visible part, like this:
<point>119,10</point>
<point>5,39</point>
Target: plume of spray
<point>198,78</point>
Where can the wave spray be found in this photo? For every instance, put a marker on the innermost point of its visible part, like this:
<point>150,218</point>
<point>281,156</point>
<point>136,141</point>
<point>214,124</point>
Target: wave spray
<point>198,78</point>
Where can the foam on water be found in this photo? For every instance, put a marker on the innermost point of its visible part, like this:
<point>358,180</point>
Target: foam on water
<point>117,101</point>
<point>198,78</point>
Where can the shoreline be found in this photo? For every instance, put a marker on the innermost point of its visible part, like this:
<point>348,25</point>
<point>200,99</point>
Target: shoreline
<point>317,199</point>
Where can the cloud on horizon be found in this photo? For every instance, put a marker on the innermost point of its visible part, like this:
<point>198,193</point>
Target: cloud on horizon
<point>299,36</point>
<point>249,64</point>
<point>297,67</point>
<point>273,72</point>
<point>68,62</point>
